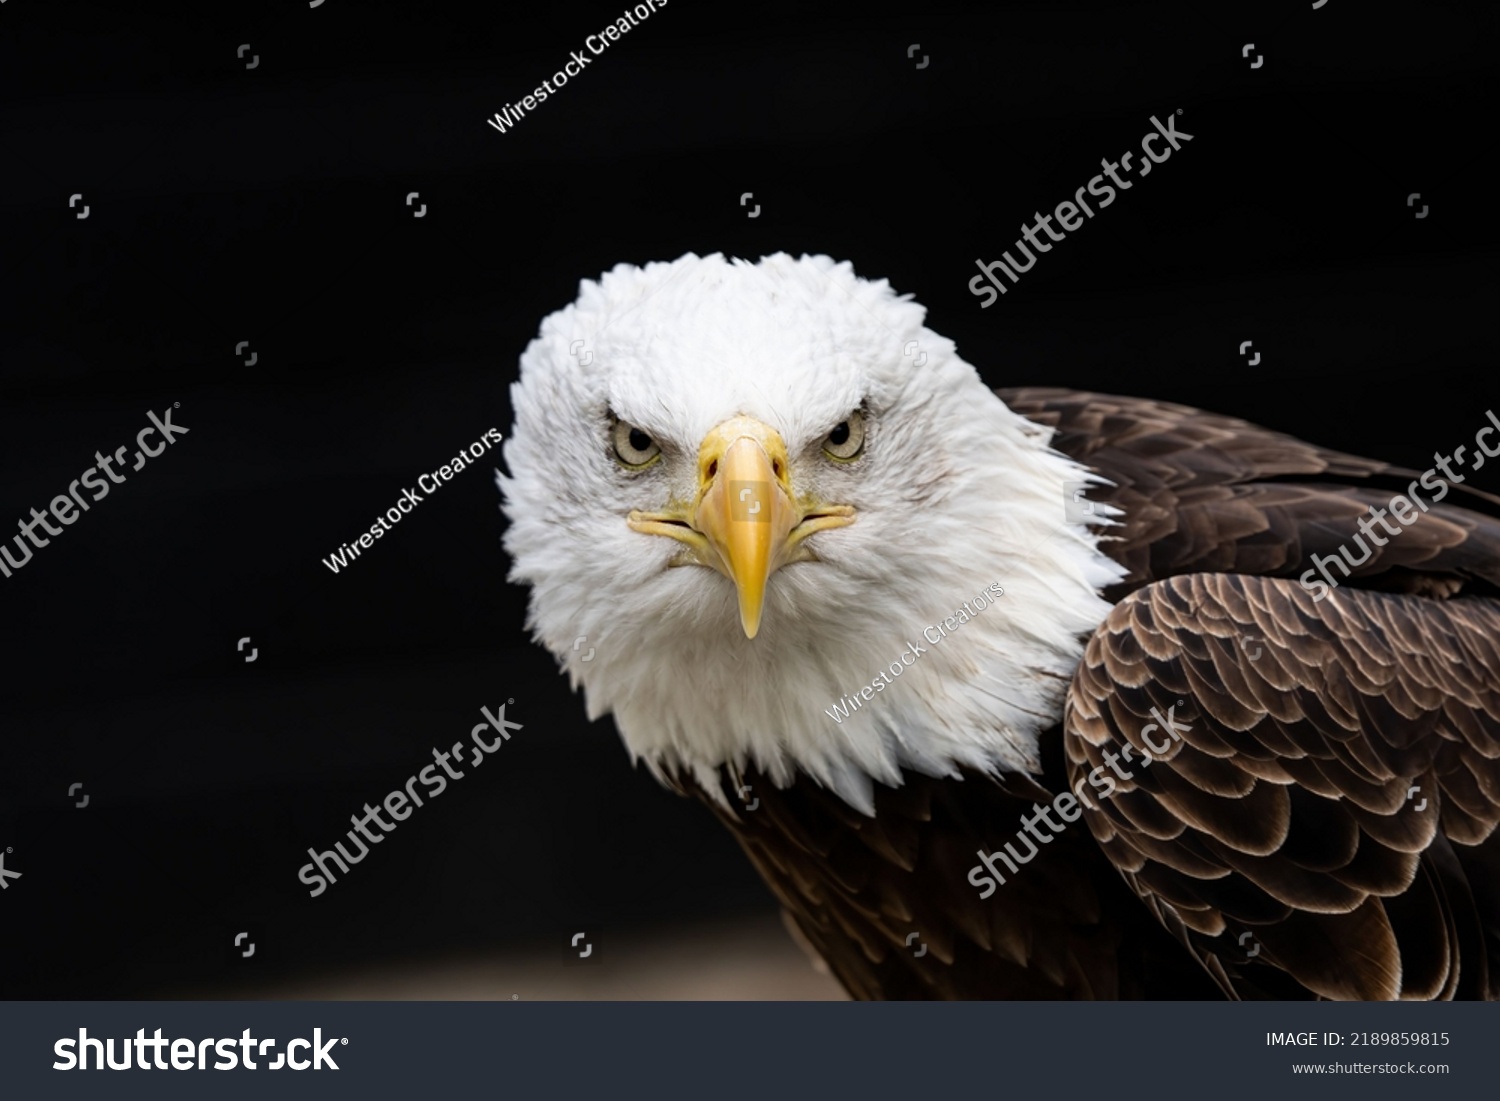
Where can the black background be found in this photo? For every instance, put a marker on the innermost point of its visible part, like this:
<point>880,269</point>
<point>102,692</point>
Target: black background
<point>267,205</point>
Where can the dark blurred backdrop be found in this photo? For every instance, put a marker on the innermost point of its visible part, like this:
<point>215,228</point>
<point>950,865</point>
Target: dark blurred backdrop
<point>266,206</point>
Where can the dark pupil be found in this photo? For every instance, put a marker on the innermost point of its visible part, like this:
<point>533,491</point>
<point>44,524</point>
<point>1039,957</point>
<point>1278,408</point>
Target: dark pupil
<point>840,435</point>
<point>639,440</point>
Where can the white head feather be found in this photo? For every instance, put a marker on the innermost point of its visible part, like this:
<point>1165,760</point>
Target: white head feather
<point>953,493</point>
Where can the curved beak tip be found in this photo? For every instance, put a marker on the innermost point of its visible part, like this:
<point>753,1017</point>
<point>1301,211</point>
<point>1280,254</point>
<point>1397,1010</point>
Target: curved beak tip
<point>749,619</point>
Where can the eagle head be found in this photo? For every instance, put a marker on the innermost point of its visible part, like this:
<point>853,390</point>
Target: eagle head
<point>761,491</point>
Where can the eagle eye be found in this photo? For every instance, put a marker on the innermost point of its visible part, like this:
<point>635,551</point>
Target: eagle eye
<point>847,439</point>
<point>634,448</point>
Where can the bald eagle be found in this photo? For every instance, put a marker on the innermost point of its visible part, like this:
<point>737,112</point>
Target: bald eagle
<point>879,617</point>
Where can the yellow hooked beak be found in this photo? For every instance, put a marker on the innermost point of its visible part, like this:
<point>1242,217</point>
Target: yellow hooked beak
<point>745,521</point>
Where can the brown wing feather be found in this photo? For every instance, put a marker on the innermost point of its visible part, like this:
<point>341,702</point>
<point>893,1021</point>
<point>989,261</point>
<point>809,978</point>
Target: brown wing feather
<point>1354,845</point>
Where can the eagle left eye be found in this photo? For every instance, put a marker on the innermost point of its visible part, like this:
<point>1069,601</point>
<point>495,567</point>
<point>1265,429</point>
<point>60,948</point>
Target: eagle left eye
<point>847,439</point>
<point>634,447</point>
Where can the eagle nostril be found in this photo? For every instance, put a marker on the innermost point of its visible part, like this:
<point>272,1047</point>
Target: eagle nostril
<point>713,468</point>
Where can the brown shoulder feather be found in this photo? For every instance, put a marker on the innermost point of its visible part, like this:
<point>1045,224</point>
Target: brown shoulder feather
<point>1203,492</point>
